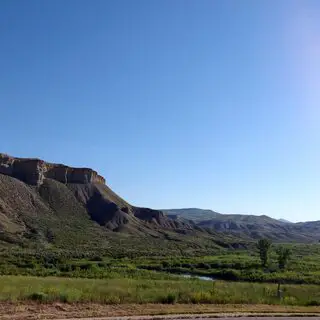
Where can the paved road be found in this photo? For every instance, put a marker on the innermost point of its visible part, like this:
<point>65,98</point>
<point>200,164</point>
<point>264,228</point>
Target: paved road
<point>203,317</point>
<point>261,318</point>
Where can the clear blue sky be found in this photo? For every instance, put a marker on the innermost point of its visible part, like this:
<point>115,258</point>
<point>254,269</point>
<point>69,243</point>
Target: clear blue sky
<point>209,104</point>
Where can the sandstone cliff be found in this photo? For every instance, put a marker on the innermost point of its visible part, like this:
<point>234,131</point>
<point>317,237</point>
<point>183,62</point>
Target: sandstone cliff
<point>34,171</point>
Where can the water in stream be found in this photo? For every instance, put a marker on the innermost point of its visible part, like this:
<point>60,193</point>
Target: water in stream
<point>197,277</point>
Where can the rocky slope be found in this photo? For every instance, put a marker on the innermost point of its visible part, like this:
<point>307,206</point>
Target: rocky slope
<point>47,202</point>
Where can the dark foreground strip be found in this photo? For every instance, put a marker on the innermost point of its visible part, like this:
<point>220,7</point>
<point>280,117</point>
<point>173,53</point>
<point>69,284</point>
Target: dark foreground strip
<point>244,316</point>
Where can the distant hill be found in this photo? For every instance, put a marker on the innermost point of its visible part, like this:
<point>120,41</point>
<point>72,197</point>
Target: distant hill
<point>193,214</point>
<point>284,220</point>
<point>249,226</point>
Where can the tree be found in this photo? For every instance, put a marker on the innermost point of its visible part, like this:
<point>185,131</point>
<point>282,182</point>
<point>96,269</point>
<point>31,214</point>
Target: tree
<point>264,246</point>
<point>283,256</point>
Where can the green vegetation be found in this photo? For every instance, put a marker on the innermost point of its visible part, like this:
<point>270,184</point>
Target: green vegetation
<point>124,276</point>
<point>232,265</point>
<point>115,291</point>
<point>283,257</point>
<point>264,246</point>
<point>245,265</point>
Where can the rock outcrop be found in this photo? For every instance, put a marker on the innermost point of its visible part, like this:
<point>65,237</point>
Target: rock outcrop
<point>34,171</point>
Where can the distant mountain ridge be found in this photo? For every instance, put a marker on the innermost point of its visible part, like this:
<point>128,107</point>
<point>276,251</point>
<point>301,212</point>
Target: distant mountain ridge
<point>193,214</point>
<point>284,220</point>
<point>249,226</point>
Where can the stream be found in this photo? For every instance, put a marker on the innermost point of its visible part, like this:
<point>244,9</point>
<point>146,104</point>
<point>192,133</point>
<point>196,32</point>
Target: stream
<point>187,275</point>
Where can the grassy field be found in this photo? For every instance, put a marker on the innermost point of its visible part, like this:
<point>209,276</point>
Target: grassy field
<point>57,276</point>
<point>124,291</point>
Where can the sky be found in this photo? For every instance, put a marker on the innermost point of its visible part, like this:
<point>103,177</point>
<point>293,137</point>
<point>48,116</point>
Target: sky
<point>193,103</point>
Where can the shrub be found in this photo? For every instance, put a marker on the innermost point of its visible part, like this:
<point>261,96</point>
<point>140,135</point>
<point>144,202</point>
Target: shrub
<point>170,298</point>
<point>85,266</point>
<point>203,265</point>
<point>313,303</point>
<point>165,264</point>
<point>96,258</point>
<point>290,300</point>
<point>63,298</point>
<point>202,297</point>
<point>38,296</point>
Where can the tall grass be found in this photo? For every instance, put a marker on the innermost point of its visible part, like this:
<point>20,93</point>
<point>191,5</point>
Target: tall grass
<point>116,291</point>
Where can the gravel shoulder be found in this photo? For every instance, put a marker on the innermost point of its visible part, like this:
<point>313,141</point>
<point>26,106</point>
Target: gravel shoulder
<point>30,311</point>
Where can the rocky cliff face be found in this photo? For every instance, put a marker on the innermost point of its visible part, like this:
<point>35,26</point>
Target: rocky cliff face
<point>34,171</point>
